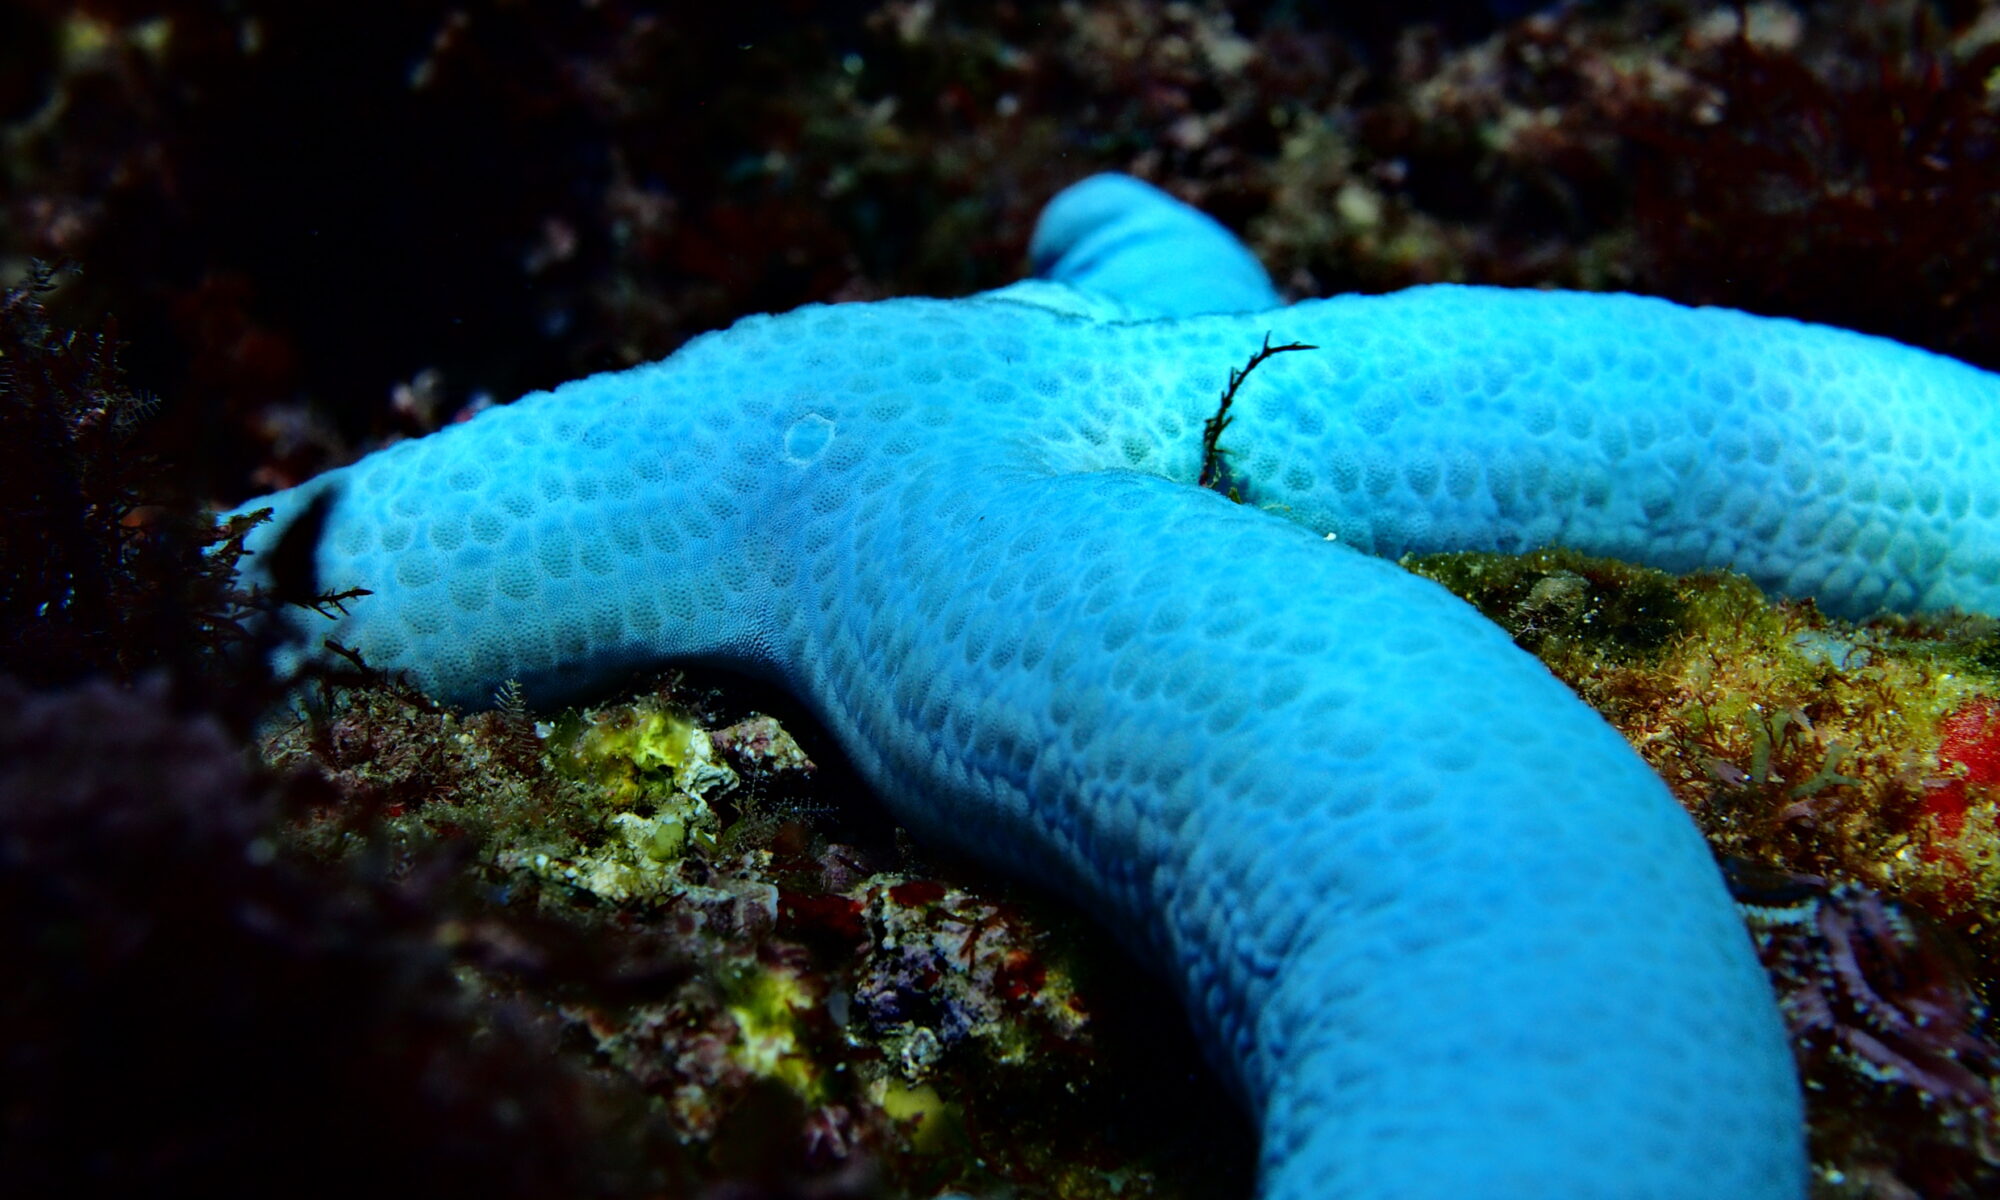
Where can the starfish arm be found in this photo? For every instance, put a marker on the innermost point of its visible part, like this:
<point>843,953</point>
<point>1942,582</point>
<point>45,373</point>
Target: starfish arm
<point>1447,934</point>
<point>1816,461</point>
<point>1114,236</point>
<point>560,542</point>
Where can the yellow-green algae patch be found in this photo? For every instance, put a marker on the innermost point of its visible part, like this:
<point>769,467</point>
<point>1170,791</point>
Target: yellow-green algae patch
<point>654,769</point>
<point>930,1121</point>
<point>769,1007</point>
<point>639,753</point>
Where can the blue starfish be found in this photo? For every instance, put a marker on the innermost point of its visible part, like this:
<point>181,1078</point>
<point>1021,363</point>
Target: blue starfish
<point>1438,924</point>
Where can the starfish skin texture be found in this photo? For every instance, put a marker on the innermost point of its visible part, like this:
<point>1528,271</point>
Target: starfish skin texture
<point>1440,927</point>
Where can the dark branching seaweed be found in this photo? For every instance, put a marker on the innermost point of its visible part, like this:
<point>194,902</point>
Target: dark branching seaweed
<point>188,1006</point>
<point>1214,468</point>
<point>108,574</point>
<point>187,1011</point>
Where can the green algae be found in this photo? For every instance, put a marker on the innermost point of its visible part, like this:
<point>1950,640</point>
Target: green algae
<point>769,1006</point>
<point>918,1107</point>
<point>649,772</point>
<point>638,754</point>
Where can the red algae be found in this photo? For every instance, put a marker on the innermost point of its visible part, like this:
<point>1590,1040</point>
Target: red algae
<point>1969,742</point>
